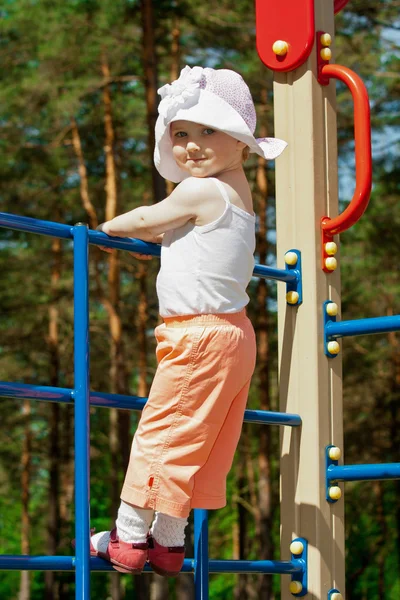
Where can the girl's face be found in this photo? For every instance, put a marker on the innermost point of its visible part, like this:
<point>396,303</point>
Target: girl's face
<point>202,151</point>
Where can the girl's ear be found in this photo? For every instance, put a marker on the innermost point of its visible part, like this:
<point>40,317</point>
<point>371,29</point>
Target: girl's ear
<point>245,153</point>
<point>241,145</point>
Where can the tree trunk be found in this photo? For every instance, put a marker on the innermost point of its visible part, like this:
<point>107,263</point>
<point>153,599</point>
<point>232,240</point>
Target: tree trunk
<point>251,476</point>
<point>151,86</point>
<point>146,587</point>
<point>380,555</point>
<point>66,487</point>
<point>119,420</point>
<point>394,415</point>
<point>240,543</point>
<point>263,515</point>
<point>175,59</point>
<point>118,379</point>
<point>25,586</point>
<point>184,588</point>
<point>52,587</point>
<point>83,179</point>
<point>142,318</point>
<point>159,587</point>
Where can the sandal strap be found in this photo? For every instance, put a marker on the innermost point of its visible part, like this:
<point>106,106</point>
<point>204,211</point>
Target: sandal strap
<point>114,539</point>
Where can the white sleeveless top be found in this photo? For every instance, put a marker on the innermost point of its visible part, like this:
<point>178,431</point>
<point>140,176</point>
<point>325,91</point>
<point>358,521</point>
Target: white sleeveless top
<point>206,269</point>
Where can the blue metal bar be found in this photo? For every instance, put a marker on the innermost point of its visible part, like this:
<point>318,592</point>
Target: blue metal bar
<point>67,563</point>
<point>53,229</point>
<point>272,418</point>
<point>363,472</point>
<point>24,562</point>
<point>131,244</point>
<point>301,561</point>
<point>337,329</point>
<point>55,394</point>
<point>82,398</point>
<point>81,394</point>
<point>328,463</point>
<point>201,561</point>
<point>295,286</point>
<point>272,567</point>
<point>278,274</point>
<point>60,230</point>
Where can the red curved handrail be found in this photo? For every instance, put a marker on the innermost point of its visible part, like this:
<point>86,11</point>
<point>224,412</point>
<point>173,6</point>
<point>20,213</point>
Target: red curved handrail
<point>362,138</point>
<point>339,5</point>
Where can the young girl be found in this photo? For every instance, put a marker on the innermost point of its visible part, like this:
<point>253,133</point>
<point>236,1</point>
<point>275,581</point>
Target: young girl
<point>189,429</point>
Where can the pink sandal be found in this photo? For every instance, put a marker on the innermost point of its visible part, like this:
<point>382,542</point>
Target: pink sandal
<point>124,556</point>
<point>165,560</point>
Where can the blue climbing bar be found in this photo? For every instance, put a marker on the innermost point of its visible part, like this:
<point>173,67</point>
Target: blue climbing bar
<point>132,245</point>
<point>337,329</point>
<point>201,566</point>
<point>56,394</point>
<point>277,274</point>
<point>362,472</point>
<point>67,563</point>
<point>81,397</point>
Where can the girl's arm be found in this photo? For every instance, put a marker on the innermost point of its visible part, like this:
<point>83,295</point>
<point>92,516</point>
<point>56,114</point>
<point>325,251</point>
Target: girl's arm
<point>148,222</point>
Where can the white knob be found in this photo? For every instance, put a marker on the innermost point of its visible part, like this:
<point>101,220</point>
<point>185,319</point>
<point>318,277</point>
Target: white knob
<point>291,258</point>
<point>296,547</point>
<point>334,453</point>
<point>295,587</point>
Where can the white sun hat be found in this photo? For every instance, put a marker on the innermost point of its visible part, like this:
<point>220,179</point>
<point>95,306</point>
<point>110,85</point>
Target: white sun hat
<point>217,98</point>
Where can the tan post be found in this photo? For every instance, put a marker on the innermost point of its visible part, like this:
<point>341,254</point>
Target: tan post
<point>310,383</point>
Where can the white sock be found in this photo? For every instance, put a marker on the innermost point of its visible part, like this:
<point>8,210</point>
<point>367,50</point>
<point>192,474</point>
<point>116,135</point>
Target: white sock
<point>133,523</point>
<point>168,531</point>
<point>132,526</point>
<point>100,541</point>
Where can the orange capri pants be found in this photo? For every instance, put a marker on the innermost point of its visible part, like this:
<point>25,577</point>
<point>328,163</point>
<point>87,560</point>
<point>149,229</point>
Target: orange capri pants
<point>190,426</point>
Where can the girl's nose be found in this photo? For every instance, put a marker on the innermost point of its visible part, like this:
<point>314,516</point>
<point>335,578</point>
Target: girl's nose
<point>192,146</point>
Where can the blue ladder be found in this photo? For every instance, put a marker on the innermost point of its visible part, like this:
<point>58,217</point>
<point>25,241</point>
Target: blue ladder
<point>82,398</point>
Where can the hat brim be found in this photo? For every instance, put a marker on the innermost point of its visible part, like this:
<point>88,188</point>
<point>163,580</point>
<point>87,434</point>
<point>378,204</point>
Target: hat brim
<point>223,118</point>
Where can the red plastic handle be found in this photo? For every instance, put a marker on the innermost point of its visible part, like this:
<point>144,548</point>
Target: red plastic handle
<point>362,137</point>
<point>339,5</point>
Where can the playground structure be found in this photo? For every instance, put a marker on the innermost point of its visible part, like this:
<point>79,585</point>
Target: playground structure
<point>312,528</point>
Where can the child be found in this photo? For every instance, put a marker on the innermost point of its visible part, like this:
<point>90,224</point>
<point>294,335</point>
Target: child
<point>189,429</point>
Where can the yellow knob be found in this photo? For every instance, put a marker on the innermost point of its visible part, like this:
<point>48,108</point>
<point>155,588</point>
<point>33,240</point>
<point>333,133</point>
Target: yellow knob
<point>292,297</point>
<point>334,453</point>
<point>326,54</point>
<point>280,47</point>
<point>336,596</point>
<point>335,493</point>
<point>333,348</point>
<point>291,258</point>
<point>296,547</point>
<point>295,587</point>
<point>326,39</point>
<point>331,248</point>
<point>332,309</point>
<point>331,263</point>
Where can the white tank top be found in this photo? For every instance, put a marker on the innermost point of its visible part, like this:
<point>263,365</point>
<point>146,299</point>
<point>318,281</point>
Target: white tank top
<point>206,269</point>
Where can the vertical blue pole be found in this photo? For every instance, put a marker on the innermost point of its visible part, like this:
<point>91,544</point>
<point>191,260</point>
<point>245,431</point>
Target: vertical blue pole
<point>201,554</point>
<point>81,397</point>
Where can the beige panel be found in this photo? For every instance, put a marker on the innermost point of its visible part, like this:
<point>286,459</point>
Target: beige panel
<point>310,383</point>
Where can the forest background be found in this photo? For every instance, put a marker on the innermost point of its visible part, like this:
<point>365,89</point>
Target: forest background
<point>78,104</point>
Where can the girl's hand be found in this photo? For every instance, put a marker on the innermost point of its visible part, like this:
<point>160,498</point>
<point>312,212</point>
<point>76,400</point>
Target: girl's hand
<point>109,250</point>
<point>141,256</point>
